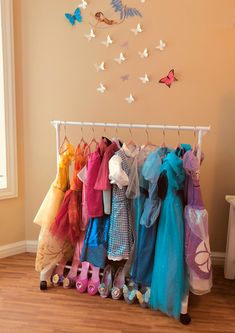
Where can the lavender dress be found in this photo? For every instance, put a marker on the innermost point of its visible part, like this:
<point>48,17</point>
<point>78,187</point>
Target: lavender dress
<point>197,247</point>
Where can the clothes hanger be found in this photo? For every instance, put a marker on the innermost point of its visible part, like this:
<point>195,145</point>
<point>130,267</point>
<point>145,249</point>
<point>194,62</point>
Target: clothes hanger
<point>179,150</point>
<point>195,141</point>
<point>105,138</point>
<point>82,138</point>
<point>93,140</point>
<point>148,142</point>
<point>131,143</point>
<point>163,145</point>
<point>65,143</point>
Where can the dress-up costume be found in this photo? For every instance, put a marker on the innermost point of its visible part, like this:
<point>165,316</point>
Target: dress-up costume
<point>147,230</point>
<point>96,241</point>
<point>67,225</point>
<point>50,249</point>
<point>169,279</point>
<point>121,220</point>
<point>197,246</point>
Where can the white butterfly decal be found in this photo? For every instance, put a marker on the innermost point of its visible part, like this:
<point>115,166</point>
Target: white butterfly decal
<point>107,42</point>
<point>144,79</point>
<point>130,99</point>
<point>100,67</point>
<point>83,4</point>
<point>137,30</point>
<point>101,88</point>
<point>90,35</point>
<point>142,1</point>
<point>161,45</point>
<point>144,54</point>
<point>120,59</point>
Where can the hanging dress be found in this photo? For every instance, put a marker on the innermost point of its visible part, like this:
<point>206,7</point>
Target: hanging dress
<point>147,230</point>
<point>67,224</point>
<point>169,279</point>
<point>96,240</point>
<point>197,245</point>
<point>121,220</point>
<point>50,249</point>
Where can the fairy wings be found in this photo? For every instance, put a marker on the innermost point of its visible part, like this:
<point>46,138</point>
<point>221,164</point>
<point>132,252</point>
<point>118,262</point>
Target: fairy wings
<point>124,10</point>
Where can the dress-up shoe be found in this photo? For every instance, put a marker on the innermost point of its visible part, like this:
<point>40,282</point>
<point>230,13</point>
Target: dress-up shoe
<point>106,282</point>
<point>118,283</point>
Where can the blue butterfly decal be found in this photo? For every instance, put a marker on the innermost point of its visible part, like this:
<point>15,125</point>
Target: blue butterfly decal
<point>124,10</point>
<point>74,17</point>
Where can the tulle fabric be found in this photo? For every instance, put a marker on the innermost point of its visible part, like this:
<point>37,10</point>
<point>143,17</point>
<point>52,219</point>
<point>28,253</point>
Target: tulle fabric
<point>67,224</point>
<point>169,280</point>
<point>50,249</point>
<point>197,245</point>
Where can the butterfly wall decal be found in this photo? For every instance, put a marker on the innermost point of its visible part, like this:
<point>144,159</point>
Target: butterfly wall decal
<point>137,30</point>
<point>101,88</point>
<point>143,54</point>
<point>130,99</point>
<point>83,4</point>
<point>107,42</point>
<point>76,16</point>
<point>169,79</point>
<point>100,67</point>
<point>124,11</point>
<point>161,45</point>
<point>120,59</point>
<point>124,77</point>
<point>125,45</point>
<point>90,35</point>
<point>144,79</point>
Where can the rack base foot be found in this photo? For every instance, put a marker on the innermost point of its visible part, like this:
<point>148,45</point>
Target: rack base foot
<point>43,285</point>
<point>185,318</point>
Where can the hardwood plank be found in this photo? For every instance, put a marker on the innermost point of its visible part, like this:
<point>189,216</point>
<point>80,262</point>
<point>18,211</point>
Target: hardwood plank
<point>24,308</point>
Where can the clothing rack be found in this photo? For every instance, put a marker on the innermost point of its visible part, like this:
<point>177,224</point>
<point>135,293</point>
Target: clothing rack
<point>200,130</point>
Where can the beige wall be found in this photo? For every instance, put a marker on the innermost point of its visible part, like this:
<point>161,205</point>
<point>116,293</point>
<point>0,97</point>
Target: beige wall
<point>56,79</point>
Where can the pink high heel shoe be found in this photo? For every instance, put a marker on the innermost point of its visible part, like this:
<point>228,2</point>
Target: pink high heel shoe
<point>94,281</point>
<point>118,284</point>
<point>82,279</point>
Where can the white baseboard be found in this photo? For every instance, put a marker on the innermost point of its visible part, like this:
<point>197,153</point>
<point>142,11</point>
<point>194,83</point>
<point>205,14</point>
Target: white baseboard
<point>31,246</point>
<point>18,247</point>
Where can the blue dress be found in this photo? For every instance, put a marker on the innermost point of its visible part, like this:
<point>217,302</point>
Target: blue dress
<point>95,245</point>
<point>169,279</point>
<point>147,229</point>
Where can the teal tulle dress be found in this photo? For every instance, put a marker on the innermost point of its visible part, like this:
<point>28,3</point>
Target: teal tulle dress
<point>169,280</point>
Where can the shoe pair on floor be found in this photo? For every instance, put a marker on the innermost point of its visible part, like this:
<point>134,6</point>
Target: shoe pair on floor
<point>112,286</point>
<point>132,294</point>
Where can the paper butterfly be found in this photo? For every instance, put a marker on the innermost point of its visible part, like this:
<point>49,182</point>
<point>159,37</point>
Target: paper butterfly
<point>107,42</point>
<point>74,17</point>
<point>137,30</point>
<point>120,59</point>
<point>90,35</point>
<point>161,45</point>
<point>124,77</point>
<point>169,79</point>
<point>144,54</point>
<point>101,88</point>
<point>100,67</point>
<point>130,99</point>
<point>125,11</point>
<point>83,4</point>
<point>144,78</point>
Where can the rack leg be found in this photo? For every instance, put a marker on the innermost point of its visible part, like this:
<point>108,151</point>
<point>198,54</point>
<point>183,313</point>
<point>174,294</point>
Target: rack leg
<point>45,275</point>
<point>185,318</point>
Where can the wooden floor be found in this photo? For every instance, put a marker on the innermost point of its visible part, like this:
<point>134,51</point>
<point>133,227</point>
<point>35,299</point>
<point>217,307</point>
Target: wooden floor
<point>24,308</point>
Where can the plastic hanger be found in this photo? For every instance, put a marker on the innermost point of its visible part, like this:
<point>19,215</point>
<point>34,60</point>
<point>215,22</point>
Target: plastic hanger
<point>63,146</point>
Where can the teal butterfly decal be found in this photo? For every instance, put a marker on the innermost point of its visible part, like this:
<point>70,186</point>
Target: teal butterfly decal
<point>74,17</point>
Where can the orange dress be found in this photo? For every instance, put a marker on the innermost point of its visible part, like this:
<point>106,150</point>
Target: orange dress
<point>50,249</point>
<point>68,223</point>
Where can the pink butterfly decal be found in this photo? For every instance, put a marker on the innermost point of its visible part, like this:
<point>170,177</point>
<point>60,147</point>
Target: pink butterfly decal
<point>169,79</point>
<point>124,77</point>
<point>125,45</point>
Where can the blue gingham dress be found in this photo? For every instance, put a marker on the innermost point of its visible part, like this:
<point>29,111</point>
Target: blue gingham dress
<point>121,220</point>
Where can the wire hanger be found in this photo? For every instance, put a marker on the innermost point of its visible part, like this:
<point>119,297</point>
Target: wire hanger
<point>63,146</point>
<point>131,142</point>
<point>163,137</point>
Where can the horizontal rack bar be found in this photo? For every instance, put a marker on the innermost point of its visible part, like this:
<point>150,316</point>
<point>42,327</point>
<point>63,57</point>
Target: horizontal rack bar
<point>120,125</point>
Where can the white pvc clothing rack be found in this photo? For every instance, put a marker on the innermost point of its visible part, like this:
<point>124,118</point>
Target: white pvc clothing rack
<point>201,130</point>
